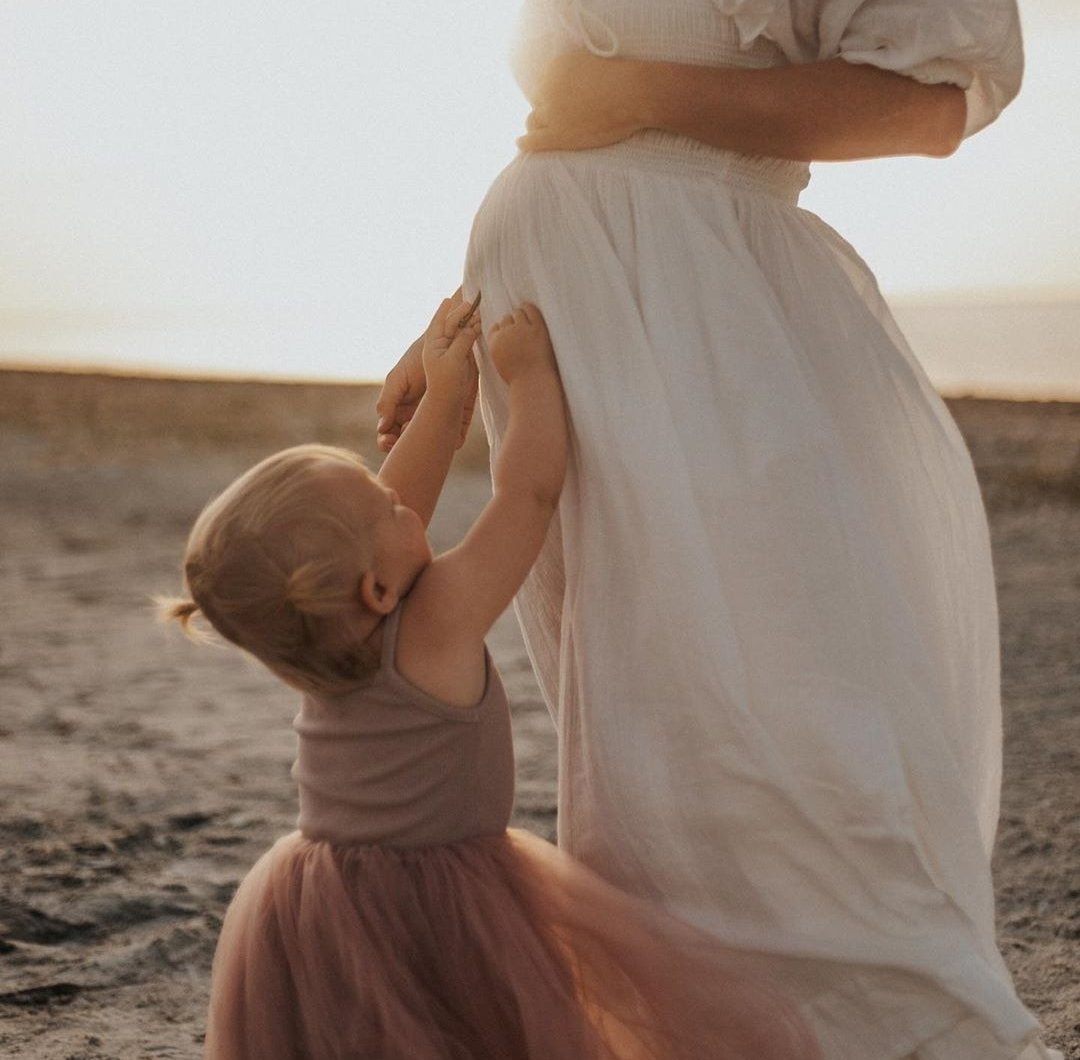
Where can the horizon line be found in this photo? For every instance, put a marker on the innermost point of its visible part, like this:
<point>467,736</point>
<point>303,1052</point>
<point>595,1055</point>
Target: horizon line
<point>213,315</point>
<point>972,391</point>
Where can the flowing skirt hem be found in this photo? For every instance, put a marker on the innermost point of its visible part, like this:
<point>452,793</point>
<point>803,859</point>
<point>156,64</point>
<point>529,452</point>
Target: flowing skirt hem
<point>495,948</point>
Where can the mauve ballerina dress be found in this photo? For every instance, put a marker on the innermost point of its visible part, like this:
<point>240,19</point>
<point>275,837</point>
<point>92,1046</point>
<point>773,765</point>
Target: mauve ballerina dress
<point>404,922</point>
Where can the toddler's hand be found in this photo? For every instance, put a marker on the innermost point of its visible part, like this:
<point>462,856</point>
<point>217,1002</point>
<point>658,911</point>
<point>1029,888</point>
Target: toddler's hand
<point>449,365</point>
<point>520,344</point>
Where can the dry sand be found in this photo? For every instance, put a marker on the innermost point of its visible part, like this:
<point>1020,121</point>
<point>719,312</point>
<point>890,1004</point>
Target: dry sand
<point>143,775</point>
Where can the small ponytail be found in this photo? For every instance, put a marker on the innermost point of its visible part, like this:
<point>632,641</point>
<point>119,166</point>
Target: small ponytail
<point>178,609</point>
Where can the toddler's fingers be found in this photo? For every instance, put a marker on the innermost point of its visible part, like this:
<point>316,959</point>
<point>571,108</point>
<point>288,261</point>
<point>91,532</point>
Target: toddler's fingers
<point>457,317</point>
<point>447,307</point>
<point>386,439</point>
<point>465,339</point>
<point>438,321</point>
<point>474,305</point>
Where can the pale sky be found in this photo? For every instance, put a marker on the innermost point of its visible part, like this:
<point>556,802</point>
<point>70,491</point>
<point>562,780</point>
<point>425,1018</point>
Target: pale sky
<point>287,185</point>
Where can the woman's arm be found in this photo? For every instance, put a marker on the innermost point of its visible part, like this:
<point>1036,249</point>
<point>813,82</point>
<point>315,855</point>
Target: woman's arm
<point>824,111</point>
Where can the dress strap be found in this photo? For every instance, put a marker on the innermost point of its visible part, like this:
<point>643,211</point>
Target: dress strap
<point>388,649</point>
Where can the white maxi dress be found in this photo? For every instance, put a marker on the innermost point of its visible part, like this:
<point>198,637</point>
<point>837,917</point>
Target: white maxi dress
<point>765,617</point>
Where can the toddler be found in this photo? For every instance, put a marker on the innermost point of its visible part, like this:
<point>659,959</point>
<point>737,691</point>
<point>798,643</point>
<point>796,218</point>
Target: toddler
<point>403,920</point>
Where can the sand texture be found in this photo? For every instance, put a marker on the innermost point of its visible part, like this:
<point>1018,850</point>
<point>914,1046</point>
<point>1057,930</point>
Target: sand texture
<point>143,775</point>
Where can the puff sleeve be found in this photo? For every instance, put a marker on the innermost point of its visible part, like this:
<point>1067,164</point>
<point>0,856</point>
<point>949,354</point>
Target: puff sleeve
<point>974,44</point>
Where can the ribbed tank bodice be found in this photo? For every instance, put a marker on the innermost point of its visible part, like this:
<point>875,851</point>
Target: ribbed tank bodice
<point>388,764</point>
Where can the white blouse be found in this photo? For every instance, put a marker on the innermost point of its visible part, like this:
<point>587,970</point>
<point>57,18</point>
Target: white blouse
<point>974,44</point>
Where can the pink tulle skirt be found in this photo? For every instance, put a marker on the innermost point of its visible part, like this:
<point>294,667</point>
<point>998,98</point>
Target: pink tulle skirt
<point>496,948</point>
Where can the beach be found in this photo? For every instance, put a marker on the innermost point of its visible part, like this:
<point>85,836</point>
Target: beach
<point>142,774</point>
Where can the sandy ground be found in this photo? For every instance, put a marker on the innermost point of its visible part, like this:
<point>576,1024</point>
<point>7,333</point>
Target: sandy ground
<point>143,775</point>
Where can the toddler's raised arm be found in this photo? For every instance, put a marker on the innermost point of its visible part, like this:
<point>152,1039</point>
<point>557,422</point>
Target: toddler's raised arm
<point>418,464</point>
<point>465,590</point>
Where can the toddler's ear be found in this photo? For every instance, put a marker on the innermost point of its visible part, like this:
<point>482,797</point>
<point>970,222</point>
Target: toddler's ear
<point>375,595</point>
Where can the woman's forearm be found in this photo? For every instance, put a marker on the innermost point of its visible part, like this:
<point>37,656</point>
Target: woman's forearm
<point>827,111</point>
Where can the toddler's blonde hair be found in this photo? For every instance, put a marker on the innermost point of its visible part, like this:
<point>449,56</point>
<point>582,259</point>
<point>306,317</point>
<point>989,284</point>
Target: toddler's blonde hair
<point>273,570</point>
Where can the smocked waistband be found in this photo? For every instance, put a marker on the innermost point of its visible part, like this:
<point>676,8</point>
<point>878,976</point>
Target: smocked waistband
<point>670,154</point>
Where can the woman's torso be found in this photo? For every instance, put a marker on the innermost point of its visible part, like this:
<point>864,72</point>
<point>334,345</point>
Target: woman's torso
<point>684,31</point>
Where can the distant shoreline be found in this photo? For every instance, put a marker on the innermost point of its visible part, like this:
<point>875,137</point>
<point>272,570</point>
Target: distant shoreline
<point>1021,449</point>
<point>17,366</point>
<point>13,365</point>
<point>1000,348</point>
<point>92,416</point>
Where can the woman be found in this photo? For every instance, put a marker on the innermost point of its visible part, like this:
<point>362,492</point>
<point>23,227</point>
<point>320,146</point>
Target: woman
<point>765,620</point>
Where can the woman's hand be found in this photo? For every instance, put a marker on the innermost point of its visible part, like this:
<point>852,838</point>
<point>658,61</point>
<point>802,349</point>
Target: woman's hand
<point>401,393</point>
<point>405,386</point>
<point>584,101</point>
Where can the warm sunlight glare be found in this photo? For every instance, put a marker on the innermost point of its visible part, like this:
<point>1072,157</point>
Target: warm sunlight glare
<point>275,187</point>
